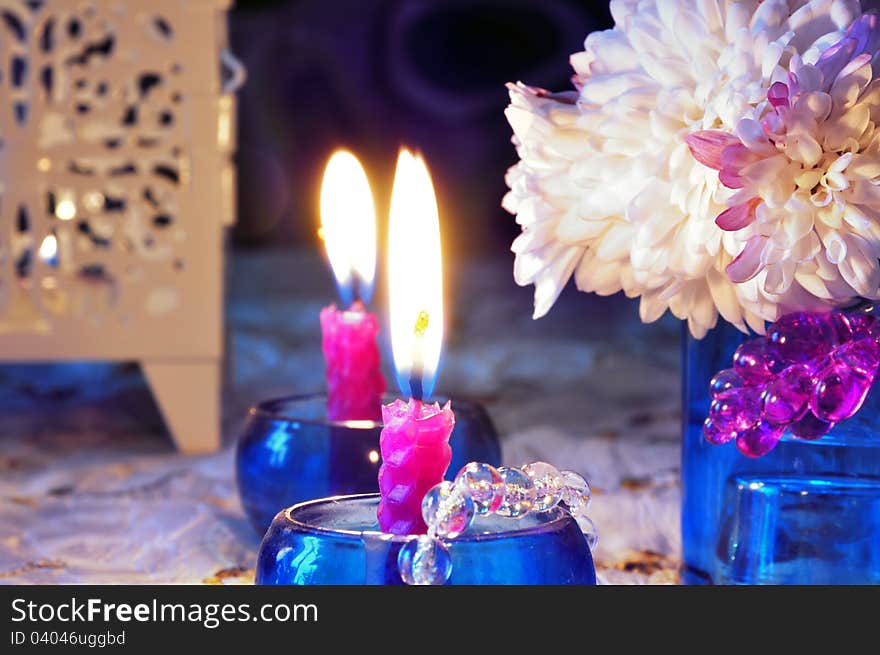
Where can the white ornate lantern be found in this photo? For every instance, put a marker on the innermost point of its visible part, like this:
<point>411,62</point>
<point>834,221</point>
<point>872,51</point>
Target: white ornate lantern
<point>116,182</point>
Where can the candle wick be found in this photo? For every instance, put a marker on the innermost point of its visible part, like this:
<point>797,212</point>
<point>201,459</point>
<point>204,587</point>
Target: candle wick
<point>415,384</point>
<point>417,373</point>
<point>355,289</point>
<point>346,294</point>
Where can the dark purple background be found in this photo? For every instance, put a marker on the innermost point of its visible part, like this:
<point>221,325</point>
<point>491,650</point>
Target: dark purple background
<point>372,75</point>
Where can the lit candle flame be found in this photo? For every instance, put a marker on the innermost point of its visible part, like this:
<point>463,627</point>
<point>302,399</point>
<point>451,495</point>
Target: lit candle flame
<point>415,277</point>
<point>48,248</point>
<point>348,226</point>
<point>65,209</point>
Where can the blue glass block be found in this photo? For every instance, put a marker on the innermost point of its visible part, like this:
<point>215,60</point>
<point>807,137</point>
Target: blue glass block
<point>289,453</point>
<point>806,513</point>
<point>338,542</point>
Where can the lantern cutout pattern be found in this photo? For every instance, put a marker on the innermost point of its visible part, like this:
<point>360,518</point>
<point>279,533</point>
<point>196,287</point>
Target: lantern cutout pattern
<point>116,183</point>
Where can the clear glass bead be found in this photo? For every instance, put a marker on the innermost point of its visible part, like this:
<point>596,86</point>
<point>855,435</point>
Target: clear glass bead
<point>576,491</point>
<point>424,561</point>
<point>519,493</point>
<point>585,523</point>
<point>448,509</point>
<point>484,484</point>
<point>548,490</point>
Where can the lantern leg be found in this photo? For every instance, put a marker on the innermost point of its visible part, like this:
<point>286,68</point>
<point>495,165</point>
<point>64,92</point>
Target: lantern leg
<point>188,395</point>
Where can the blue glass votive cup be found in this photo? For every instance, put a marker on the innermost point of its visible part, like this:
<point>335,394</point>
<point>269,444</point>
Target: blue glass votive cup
<point>336,541</point>
<point>798,529</point>
<point>289,452</point>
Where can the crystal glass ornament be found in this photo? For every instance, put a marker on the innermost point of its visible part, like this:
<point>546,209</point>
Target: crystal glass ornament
<point>718,433</point>
<point>862,355</point>
<point>759,439</point>
<point>837,327</point>
<point>797,337</point>
<point>810,427</point>
<point>576,491</point>
<point>738,408</point>
<point>754,362</point>
<point>839,392</point>
<point>548,488</point>
<point>588,528</point>
<point>424,561</point>
<point>448,509</point>
<point>864,326</point>
<point>519,493</point>
<point>484,484</point>
<point>725,380</point>
<point>785,398</point>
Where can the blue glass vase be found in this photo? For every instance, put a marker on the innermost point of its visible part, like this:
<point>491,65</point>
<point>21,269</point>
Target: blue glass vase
<point>289,452</point>
<point>336,541</point>
<point>808,512</point>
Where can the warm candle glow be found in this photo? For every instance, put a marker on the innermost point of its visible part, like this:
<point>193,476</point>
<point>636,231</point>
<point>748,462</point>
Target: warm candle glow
<point>415,276</point>
<point>348,226</point>
<point>48,248</point>
<point>65,210</point>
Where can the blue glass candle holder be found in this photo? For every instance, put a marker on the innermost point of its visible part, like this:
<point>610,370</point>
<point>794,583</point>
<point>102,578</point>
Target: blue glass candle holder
<point>289,452</point>
<point>808,512</point>
<point>337,541</point>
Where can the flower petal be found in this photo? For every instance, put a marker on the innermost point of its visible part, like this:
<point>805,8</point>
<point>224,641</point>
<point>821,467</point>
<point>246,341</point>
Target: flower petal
<point>778,94</point>
<point>751,133</point>
<point>857,218</point>
<point>706,146</point>
<point>730,179</point>
<point>853,79</point>
<point>804,148</point>
<point>551,280</point>
<point>859,268</point>
<point>779,277</point>
<point>816,104</point>
<point>747,264</point>
<point>737,217</point>
<point>832,60</point>
<point>724,295</point>
<point>835,246</point>
<point>851,125</point>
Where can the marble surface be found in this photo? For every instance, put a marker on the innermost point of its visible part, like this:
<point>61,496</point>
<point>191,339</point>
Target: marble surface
<point>92,491</point>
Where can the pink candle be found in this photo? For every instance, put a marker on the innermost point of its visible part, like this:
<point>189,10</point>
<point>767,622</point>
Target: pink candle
<point>415,455</point>
<point>348,225</point>
<point>415,437</point>
<point>355,383</point>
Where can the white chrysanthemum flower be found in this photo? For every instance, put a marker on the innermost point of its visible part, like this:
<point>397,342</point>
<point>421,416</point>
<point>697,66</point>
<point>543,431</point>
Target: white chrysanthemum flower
<point>607,189</point>
<point>806,167</point>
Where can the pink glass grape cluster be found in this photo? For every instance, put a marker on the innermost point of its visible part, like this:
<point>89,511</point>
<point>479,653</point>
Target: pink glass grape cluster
<point>810,372</point>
